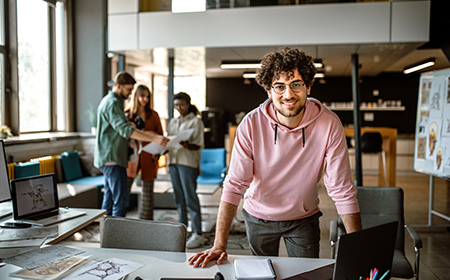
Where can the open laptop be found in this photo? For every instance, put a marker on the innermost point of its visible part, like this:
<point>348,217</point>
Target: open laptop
<point>357,254</point>
<point>35,201</point>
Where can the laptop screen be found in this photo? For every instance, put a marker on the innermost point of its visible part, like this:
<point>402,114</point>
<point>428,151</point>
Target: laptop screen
<point>34,196</point>
<point>5,194</point>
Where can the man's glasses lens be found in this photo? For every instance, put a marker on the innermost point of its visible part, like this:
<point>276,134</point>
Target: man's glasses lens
<point>281,88</point>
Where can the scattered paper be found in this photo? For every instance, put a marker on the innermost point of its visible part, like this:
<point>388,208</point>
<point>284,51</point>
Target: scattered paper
<point>35,242</point>
<point>27,233</point>
<point>174,143</point>
<point>42,256</point>
<point>109,269</point>
<point>49,271</point>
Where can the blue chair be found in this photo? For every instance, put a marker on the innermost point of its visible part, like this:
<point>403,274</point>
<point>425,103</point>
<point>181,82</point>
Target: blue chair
<point>26,169</point>
<point>73,174</point>
<point>213,166</point>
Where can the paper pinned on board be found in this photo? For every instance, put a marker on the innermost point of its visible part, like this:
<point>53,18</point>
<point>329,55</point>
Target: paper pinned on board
<point>174,143</point>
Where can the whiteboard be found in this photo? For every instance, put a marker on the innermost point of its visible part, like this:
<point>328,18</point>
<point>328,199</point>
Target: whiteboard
<point>432,138</point>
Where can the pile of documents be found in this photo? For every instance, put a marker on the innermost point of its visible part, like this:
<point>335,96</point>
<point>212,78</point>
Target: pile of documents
<point>17,241</point>
<point>61,262</point>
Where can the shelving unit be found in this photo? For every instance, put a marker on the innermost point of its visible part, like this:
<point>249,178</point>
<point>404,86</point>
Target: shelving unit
<point>401,108</point>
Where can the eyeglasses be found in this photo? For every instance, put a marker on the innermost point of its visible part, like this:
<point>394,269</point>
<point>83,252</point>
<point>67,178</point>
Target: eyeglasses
<point>296,87</point>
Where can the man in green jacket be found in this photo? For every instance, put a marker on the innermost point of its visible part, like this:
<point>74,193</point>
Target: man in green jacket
<point>111,150</point>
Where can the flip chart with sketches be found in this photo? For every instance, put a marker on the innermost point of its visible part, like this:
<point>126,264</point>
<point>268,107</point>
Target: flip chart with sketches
<point>42,256</point>
<point>432,138</point>
<point>174,143</point>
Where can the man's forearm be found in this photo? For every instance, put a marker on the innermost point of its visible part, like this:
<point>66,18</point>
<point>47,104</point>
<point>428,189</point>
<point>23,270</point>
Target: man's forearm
<point>225,217</point>
<point>147,136</point>
<point>352,222</point>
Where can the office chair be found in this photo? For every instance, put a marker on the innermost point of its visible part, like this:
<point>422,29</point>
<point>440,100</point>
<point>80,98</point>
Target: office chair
<point>380,206</point>
<point>126,233</point>
<point>213,166</point>
<point>371,142</point>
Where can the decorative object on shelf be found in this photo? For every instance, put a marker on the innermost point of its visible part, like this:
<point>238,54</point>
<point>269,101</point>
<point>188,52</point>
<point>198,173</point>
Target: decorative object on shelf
<point>5,132</point>
<point>92,113</point>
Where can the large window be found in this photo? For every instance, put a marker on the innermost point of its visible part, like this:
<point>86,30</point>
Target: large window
<point>33,51</point>
<point>2,53</point>
<point>41,78</point>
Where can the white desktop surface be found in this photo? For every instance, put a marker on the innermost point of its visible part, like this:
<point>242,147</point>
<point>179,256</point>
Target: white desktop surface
<point>65,228</point>
<point>168,264</point>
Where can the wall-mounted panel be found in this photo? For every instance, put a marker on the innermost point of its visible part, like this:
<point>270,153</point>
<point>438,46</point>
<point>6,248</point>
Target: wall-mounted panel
<point>411,21</point>
<point>123,6</point>
<point>122,32</point>
<point>262,26</point>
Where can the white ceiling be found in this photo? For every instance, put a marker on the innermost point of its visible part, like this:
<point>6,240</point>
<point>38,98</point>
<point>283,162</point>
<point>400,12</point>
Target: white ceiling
<point>373,58</point>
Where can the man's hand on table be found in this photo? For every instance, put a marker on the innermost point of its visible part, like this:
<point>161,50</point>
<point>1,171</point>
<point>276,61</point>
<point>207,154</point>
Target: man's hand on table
<point>203,258</point>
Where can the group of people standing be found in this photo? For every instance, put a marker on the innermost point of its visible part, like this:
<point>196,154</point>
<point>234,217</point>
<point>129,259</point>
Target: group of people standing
<point>281,151</point>
<point>122,131</point>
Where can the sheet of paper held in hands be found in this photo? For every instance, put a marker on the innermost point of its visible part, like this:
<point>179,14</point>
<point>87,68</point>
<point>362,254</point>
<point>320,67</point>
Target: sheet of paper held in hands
<point>42,256</point>
<point>260,269</point>
<point>174,143</point>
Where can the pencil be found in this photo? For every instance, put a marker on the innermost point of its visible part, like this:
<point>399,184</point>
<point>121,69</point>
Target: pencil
<point>384,275</point>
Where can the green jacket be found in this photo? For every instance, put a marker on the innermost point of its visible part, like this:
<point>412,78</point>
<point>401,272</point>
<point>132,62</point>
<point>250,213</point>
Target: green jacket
<point>113,132</point>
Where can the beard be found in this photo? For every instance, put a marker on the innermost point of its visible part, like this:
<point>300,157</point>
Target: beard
<point>289,112</point>
<point>121,93</point>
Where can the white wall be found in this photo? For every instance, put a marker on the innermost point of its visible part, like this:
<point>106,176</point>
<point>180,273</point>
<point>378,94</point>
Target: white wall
<point>378,22</point>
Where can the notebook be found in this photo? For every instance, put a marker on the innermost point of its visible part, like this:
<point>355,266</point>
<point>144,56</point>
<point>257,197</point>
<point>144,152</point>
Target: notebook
<point>35,201</point>
<point>357,254</point>
<point>260,269</point>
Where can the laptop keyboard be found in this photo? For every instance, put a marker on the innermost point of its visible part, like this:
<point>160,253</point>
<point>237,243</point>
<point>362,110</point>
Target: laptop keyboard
<point>44,215</point>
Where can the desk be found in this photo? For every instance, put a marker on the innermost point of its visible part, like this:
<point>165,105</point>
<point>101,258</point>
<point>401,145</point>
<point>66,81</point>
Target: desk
<point>389,145</point>
<point>68,227</point>
<point>168,264</point>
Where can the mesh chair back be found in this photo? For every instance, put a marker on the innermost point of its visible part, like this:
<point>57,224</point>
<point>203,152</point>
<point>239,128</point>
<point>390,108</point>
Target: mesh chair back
<point>383,205</point>
<point>371,142</point>
<point>126,233</point>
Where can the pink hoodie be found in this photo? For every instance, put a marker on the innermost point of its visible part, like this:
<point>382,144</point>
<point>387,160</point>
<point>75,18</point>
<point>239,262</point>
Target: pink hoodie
<point>278,168</point>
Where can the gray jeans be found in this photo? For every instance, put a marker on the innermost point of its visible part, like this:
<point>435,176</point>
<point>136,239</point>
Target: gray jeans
<point>302,237</point>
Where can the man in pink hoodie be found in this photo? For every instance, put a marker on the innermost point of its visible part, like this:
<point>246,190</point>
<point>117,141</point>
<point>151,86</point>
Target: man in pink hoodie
<point>281,151</point>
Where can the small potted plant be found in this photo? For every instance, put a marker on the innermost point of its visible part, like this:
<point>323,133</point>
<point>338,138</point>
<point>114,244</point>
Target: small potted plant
<point>5,132</point>
<point>92,113</point>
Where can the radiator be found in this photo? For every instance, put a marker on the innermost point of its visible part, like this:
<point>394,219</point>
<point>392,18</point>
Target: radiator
<point>47,164</point>
<point>11,170</point>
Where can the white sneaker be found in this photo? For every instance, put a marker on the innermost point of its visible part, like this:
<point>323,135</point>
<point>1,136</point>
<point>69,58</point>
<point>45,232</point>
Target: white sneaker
<point>195,241</point>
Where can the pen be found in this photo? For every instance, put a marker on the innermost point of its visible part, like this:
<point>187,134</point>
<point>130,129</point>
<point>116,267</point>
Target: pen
<point>384,275</point>
<point>375,275</point>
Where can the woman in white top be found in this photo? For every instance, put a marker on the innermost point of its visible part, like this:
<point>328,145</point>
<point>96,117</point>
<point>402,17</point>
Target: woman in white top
<point>184,165</point>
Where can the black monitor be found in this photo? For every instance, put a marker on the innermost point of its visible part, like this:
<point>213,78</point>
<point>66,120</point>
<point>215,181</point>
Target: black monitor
<point>5,193</point>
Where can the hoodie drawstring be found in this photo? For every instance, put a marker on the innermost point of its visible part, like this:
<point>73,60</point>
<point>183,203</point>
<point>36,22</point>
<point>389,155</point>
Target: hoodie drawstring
<point>276,128</point>
<point>303,135</point>
<point>276,132</point>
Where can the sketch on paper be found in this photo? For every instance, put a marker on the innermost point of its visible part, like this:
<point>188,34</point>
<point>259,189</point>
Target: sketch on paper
<point>35,193</point>
<point>51,270</point>
<point>110,269</point>
<point>42,256</point>
<point>432,139</point>
<point>438,166</point>
<point>27,233</point>
<point>426,86</point>
<point>447,80</point>
<point>421,147</point>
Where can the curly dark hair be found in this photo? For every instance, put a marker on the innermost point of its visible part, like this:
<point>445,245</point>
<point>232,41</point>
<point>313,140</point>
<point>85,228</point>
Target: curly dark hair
<point>285,61</point>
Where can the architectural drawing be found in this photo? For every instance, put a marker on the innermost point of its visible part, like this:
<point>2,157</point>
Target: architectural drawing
<point>104,269</point>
